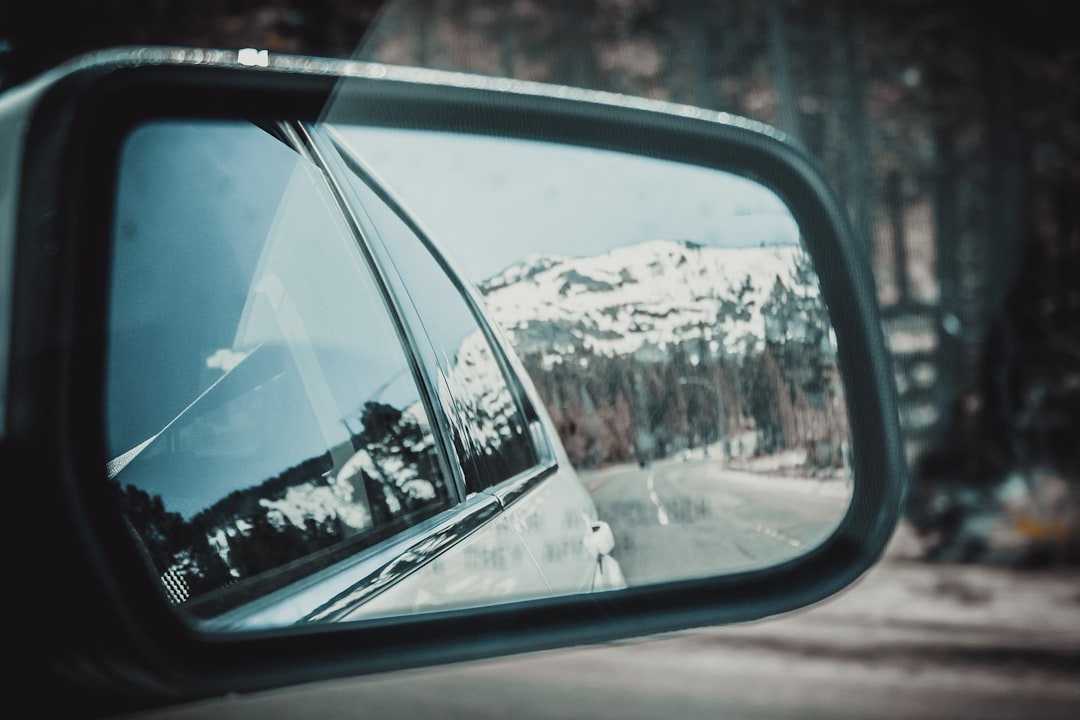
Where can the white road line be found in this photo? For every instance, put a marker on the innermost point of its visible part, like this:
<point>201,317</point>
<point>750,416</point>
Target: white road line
<point>777,535</point>
<point>661,513</point>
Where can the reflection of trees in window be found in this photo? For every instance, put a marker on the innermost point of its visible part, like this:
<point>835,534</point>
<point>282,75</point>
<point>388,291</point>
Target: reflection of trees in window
<point>182,556</point>
<point>500,447</point>
<point>394,459</point>
<point>258,535</point>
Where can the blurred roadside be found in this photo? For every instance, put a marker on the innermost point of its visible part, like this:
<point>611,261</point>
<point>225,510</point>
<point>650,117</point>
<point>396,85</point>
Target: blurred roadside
<point>976,615</point>
<point>1028,518</point>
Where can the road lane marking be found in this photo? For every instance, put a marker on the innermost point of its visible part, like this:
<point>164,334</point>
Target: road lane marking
<point>777,535</point>
<point>661,513</point>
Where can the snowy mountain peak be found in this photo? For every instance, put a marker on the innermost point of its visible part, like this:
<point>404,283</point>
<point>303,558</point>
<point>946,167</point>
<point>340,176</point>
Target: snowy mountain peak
<point>641,299</point>
<point>521,271</point>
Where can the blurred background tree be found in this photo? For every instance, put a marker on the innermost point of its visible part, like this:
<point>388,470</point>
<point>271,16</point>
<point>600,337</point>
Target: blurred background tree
<point>35,36</point>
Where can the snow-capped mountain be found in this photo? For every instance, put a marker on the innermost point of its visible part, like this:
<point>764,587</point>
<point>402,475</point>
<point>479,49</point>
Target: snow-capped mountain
<point>644,298</point>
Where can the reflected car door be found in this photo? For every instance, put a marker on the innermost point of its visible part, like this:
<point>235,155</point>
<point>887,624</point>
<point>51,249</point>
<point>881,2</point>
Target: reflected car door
<point>501,432</point>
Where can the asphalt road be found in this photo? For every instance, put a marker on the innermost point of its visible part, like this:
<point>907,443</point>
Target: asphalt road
<point>679,519</point>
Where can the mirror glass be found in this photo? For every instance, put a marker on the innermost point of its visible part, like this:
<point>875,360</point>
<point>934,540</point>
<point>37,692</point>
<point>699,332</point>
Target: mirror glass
<point>417,370</point>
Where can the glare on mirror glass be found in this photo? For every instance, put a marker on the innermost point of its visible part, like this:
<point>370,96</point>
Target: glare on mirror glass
<point>671,321</point>
<point>308,418</point>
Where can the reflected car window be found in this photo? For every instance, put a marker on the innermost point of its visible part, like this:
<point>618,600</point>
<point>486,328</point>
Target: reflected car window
<point>489,428</point>
<point>282,431</point>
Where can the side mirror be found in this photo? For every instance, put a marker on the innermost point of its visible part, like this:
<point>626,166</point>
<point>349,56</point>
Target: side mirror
<point>328,367</point>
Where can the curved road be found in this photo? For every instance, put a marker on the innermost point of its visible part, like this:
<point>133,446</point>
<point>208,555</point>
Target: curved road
<point>679,519</point>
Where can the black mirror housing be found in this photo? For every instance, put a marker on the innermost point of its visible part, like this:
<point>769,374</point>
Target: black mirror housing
<point>120,644</point>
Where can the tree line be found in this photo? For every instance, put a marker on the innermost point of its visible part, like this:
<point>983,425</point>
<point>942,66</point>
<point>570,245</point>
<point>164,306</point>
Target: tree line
<point>610,410</point>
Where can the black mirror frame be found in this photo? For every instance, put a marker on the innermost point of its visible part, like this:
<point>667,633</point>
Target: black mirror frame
<point>121,639</point>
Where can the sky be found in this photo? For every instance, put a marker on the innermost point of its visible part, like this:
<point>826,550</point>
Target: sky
<point>489,202</point>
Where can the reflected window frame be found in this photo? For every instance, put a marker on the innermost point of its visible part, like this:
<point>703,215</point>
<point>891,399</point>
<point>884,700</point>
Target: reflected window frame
<point>345,163</point>
<point>304,570</point>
